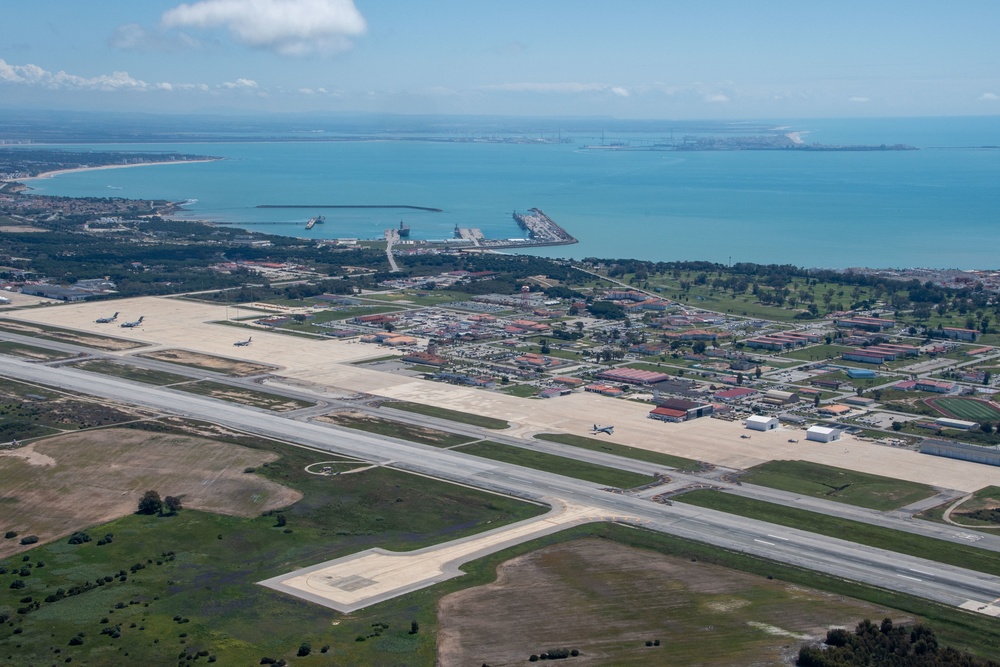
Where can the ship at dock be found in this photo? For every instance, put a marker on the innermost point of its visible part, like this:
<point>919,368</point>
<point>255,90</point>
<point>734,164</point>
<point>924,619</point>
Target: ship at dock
<point>314,221</point>
<point>404,230</point>
<point>541,229</point>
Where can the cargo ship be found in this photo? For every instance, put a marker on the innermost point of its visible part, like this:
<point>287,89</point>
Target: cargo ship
<point>312,221</point>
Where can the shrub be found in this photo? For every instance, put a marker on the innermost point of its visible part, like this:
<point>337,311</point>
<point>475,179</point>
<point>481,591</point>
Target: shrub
<point>10,534</point>
<point>79,537</point>
<point>304,649</point>
<point>30,539</point>
<point>76,641</point>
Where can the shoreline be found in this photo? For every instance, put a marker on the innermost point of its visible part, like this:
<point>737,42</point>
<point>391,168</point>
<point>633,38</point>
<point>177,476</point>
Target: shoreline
<point>75,170</point>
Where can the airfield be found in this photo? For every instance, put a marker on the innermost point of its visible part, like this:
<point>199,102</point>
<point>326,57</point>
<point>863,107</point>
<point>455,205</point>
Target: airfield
<point>327,367</point>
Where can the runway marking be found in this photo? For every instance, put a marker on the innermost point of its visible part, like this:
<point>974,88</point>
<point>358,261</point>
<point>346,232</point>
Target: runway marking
<point>921,572</point>
<point>904,576</point>
<point>770,544</point>
<point>778,537</point>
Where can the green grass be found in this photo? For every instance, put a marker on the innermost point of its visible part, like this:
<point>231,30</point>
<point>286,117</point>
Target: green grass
<point>846,486</point>
<point>421,434</point>
<point>521,390</point>
<point>211,578</point>
<point>559,465</point>
<point>59,335</point>
<point>451,415</point>
<point>668,460</point>
<point>129,372</point>
<point>817,352</point>
<point>987,499</point>
<point>31,351</point>
<point>959,555</point>
<point>243,396</point>
<point>971,410</point>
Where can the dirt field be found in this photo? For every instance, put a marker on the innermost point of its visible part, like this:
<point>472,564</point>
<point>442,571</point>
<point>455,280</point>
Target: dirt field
<point>220,364</point>
<point>607,600</point>
<point>100,342</point>
<point>69,482</point>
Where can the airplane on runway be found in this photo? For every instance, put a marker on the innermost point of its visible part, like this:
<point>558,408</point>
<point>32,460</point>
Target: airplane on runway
<point>105,320</point>
<point>243,343</point>
<point>132,325</point>
<point>608,430</point>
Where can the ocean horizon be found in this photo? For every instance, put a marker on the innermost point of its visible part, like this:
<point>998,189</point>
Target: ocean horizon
<point>935,207</point>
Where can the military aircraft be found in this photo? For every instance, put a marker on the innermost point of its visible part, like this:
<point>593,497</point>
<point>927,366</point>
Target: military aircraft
<point>105,320</point>
<point>608,430</point>
<point>243,343</point>
<point>132,325</point>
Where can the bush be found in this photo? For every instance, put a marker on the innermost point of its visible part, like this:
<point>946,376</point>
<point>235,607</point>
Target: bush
<point>79,537</point>
<point>76,641</point>
<point>30,539</point>
<point>150,503</point>
<point>10,534</point>
<point>304,649</point>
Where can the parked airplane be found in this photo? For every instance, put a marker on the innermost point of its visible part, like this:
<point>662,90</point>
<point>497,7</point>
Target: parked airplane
<point>132,325</point>
<point>603,429</point>
<point>243,343</point>
<point>105,320</point>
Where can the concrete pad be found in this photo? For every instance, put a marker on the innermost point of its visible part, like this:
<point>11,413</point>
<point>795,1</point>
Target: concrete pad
<point>171,322</point>
<point>327,365</point>
<point>366,578</point>
<point>986,608</point>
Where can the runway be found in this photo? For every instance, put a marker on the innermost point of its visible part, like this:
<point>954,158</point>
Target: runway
<point>877,567</point>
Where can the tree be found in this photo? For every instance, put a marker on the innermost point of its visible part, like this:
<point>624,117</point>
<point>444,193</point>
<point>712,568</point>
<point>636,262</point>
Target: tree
<point>150,503</point>
<point>544,347</point>
<point>986,427</point>
<point>739,378</point>
<point>816,400</point>
<point>897,426</point>
<point>171,504</point>
<point>305,648</point>
<point>757,372</point>
<point>414,627</point>
<point>699,347</point>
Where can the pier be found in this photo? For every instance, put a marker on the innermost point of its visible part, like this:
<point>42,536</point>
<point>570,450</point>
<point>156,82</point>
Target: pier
<point>405,206</point>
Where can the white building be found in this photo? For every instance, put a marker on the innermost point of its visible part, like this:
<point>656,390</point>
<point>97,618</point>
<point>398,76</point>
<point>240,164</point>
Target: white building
<point>822,434</point>
<point>762,423</point>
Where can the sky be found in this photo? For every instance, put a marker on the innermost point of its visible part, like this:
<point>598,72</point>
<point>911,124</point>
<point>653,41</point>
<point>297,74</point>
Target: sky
<point>651,59</point>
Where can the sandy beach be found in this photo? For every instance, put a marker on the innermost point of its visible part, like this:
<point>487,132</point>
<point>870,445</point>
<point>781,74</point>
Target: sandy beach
<point>59,172</point>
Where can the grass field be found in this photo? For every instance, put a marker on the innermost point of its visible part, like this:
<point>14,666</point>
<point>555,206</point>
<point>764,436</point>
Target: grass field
<point>211,565</point>
<point>371,424</point>
<point>559,465</point>
<point>259,399</point>
<point>451,415</point>
<point>31,351</point>
<point>596,445</point>
<point>57,334</point>
<point>208,362</point>
<point>982,510</point>
<point>606,600</point>
<point>968,409</point>
<point>846,486</point>
<point>130,372</point>
<point>959,555</point>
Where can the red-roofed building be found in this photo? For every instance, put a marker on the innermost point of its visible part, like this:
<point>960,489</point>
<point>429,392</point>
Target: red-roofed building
<point>668,414</point>
<point>734,394</point>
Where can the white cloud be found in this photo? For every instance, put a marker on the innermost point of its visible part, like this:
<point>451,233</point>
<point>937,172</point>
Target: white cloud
<point>134,37</point>
<point>241,83</point>
<point>716,97</point>
<point>558,87</point>
<point>858,99</point>
<point>287,27</point>
<point>984,96</point>
<point>621,92</point>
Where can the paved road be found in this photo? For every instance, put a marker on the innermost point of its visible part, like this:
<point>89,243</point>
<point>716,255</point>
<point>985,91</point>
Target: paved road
<point>946,584</point>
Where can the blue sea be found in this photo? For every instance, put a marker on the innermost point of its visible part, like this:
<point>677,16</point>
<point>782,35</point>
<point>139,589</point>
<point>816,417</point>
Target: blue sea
<point>934,207</point>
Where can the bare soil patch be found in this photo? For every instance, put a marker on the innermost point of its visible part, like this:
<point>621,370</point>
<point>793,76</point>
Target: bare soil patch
<point>209,362</point>
<point>607,600</point>
<point>79,338</point>
<point>77,480</point>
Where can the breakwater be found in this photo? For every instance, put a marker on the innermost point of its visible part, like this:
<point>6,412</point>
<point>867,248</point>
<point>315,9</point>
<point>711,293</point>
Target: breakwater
<point>404,206</point>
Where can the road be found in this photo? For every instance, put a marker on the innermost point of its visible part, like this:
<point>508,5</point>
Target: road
<point>885,569</point>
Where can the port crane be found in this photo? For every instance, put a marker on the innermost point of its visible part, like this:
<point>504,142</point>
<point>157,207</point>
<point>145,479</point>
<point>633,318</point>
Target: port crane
<point>106,320</point>
<point>132,325</point>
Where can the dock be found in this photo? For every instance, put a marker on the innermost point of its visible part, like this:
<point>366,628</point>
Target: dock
<point>313,221</point>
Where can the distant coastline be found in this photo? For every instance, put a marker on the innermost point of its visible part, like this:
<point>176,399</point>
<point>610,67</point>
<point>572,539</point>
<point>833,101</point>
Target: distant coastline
<point>75,170</point>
